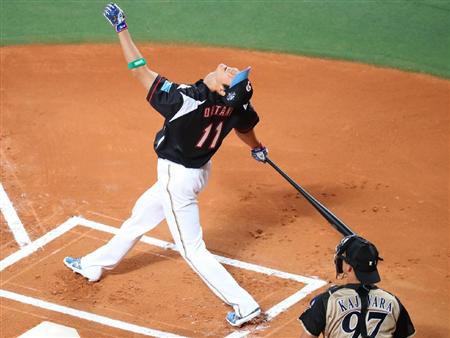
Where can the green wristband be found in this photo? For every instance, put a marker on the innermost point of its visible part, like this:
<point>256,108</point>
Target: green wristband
<point>137,63</point>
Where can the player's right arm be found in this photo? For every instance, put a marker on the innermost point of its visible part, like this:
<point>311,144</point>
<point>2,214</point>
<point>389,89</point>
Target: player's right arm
<point>245,131</point>
<point>144,74</point>
<point>313,319</point>
<point>116,17</point>
<point>404,326</point>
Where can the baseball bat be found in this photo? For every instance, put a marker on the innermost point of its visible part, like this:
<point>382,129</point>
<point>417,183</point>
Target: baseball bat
<point>327,214</point>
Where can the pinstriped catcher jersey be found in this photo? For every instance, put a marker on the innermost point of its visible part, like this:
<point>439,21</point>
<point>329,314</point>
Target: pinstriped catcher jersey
<point>196,121</point>
<point>336,313</point>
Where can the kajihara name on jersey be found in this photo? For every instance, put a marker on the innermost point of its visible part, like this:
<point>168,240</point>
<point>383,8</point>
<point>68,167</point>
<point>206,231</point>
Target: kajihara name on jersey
<point>217,111</point>
<point>349,303</point>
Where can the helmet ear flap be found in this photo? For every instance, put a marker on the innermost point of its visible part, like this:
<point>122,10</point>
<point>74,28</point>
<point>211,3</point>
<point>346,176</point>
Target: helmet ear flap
<point>338,262</point>
<point>339,257</point>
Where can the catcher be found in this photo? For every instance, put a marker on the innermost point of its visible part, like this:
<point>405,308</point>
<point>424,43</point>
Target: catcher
<point>359,308</point>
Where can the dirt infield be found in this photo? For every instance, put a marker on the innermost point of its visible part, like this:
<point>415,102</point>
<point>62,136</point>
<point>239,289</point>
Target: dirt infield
<point>370,143</point>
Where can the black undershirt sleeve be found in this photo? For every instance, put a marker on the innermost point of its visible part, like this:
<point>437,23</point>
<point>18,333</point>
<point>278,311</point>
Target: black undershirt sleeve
<point>314,317</point>
<point>404,327</point>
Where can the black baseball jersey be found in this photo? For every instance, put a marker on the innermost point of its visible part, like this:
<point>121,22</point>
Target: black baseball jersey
<point>196,121</point>
<point>336,313</point>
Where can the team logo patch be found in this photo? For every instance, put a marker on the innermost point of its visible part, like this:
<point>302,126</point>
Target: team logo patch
<point>166,86</point>
<point>231,96</point>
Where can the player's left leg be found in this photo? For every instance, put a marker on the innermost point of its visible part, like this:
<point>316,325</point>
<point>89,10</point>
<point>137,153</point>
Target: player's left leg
<point>147,213</point>
<point>180,187</point>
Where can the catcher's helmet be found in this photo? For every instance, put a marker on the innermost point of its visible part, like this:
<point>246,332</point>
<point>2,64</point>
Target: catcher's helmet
<point>361,255</point>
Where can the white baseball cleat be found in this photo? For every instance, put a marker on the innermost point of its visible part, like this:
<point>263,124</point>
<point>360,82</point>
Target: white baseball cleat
<point>93,274</point>
<point>235,320</point>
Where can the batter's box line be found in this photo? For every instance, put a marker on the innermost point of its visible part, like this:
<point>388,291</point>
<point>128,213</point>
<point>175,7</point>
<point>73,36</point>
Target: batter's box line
<point>311,283</point>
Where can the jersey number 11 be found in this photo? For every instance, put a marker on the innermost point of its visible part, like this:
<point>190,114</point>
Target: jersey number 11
<point>206,133</point>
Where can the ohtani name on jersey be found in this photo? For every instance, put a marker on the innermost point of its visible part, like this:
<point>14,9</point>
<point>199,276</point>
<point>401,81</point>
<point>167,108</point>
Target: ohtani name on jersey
<point>350,303</point>
<point>217,111</point>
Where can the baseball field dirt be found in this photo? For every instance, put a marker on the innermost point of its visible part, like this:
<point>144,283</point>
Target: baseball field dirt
<point>76,139</point>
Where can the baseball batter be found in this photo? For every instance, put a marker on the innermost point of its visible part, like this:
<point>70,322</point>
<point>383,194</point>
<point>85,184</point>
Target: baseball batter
<point>359,308</point>
<point>197,118</point>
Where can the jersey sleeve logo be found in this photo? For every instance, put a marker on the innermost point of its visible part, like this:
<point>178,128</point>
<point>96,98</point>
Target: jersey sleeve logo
<point>166,86</point>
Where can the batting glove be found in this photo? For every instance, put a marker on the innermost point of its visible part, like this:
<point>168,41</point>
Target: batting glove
<point>260,153</point>
<point>115,16</point>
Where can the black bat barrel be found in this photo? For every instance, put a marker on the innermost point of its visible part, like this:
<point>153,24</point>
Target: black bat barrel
<point>327,214</point>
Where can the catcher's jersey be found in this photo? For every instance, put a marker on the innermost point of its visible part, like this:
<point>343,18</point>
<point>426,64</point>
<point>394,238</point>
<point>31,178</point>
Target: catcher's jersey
<point>196,121</point>
<point>335,313</point>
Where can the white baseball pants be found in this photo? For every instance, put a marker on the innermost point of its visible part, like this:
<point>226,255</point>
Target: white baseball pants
<point>174,197</point>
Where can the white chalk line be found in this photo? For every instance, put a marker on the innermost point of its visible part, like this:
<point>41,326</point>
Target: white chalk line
<point>12,171</point>
<point>239,334</point>
<point>35,262</point>
<point>112,230</point>
<point>13,221</point>
<point>39,243</point>
<point>312,284</point>
<point>118,324</point>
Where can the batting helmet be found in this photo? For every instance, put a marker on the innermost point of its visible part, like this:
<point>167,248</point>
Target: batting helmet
<point>240,90</point>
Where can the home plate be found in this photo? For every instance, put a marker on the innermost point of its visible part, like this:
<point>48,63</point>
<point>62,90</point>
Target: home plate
<point>51,330</point>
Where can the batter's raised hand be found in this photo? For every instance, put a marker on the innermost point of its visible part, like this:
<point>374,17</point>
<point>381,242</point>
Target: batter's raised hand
<point>116,17</point>
<point>260,153</point>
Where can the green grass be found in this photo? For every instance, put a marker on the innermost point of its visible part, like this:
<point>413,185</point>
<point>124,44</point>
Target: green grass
<point>410,35</point>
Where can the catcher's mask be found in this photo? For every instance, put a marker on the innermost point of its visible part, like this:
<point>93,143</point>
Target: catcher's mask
<point>240,90</point>
<point>361,255</point>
